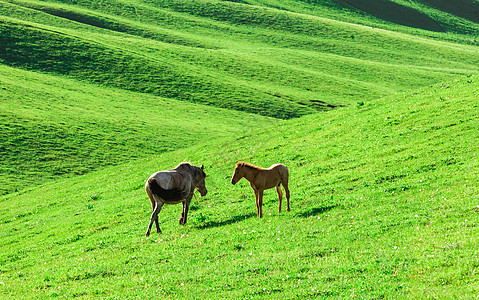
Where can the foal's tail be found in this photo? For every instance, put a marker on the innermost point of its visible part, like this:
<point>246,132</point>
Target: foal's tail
<point>284,173</point>
<point>284,181</point>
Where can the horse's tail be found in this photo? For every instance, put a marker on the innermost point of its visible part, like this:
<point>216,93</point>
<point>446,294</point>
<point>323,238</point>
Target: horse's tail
<point>148,187</point>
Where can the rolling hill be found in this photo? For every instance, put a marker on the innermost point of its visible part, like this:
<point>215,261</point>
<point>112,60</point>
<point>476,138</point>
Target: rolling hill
<point>371,104</point>
<point>276,59</point>
<point>384,205</point>
<point>457,17</point>
<point>252,58</point>
<point>53,127</point>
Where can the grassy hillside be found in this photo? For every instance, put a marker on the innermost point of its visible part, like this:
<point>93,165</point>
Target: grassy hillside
<point>251,58</point>
<point>384,205</point>
<point>65,67</point>
<point>459,19</point>
<point>52,127</point>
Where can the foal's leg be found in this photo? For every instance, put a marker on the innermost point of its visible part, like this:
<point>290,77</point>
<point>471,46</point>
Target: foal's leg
<point>260,203</point>
<point>154,218</point>
<point>257,202</point>
<point>286,189</point>
<point>280,195</point>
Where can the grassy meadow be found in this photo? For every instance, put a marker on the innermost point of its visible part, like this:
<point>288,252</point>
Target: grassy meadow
<point>375,114</point>
<point>53,127</point>
<point>384,205</point>
<point>265,58</point>
<point>259,59</point>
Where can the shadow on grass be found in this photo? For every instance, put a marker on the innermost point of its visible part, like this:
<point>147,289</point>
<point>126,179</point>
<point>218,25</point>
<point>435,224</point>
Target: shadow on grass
<point>315,211</point>
<point>397,13</point>
<point>232,220</point>
<point>467,9</point>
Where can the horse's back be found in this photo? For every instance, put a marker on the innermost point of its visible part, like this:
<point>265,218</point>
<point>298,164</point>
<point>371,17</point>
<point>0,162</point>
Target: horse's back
<point>169,195</point>
<point>167,179</point>
<point>167,185</point>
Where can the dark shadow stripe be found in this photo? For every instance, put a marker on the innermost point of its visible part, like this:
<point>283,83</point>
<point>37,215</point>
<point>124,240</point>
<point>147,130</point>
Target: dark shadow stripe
<point>396,13</point>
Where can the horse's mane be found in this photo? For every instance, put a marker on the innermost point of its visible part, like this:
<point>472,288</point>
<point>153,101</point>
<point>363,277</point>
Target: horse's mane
<point>188,166</point>
<point>184,165</point>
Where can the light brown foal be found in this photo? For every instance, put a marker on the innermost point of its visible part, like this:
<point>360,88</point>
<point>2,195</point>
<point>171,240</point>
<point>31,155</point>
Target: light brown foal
<point>262,179</point>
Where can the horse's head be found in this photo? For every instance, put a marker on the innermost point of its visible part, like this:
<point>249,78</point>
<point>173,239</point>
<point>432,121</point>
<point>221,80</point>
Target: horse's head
<point>238,173</point>
<point>200,179</point>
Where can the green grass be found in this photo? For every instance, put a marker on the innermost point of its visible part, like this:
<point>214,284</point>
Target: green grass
<point>384,205</point>
<point>262,60</point>
<point>269,61</point>
<point>53,127</point>
<point>458,19</point>
<point>96,96</point>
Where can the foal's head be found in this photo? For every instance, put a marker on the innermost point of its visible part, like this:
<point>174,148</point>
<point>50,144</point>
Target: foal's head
<point>238,173</point>
<point>200,179</point>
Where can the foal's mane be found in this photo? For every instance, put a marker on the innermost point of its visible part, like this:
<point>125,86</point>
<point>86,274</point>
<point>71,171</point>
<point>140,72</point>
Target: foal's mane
<point>247,165</point>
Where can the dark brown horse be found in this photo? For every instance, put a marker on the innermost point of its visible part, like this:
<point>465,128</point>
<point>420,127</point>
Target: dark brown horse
<point>261,179</point>
<point>173,187</point>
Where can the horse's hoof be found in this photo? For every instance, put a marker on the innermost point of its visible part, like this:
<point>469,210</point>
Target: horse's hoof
<point>147,234</point>
<point>181,222</point>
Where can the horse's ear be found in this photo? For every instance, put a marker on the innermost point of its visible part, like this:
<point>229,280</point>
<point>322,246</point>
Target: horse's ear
<point>202,167</point>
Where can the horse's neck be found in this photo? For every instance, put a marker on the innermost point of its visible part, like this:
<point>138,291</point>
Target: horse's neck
<point>185,172</point>
<point>185,179</point>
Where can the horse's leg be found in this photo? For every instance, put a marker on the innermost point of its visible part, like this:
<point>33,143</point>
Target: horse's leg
<point>157,225</point>
<point>260,203</point>
<point>184,214</point>
<point>154,218</point>
<point>153,205</point>
<point>280,195</point>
